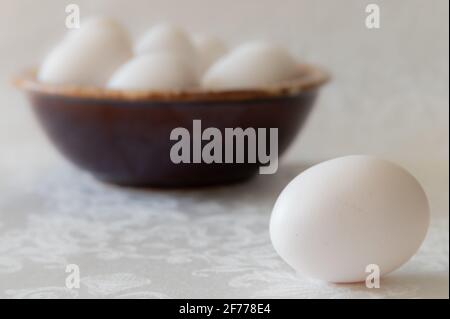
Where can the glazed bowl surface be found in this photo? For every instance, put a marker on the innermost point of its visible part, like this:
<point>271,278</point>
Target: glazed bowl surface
<point>124,137</point>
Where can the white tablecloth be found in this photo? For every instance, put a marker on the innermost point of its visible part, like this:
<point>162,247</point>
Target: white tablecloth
<point>207,243</point>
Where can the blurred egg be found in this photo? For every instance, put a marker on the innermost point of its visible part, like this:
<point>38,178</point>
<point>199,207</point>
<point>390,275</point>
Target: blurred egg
<point>251,65</point>
<point>167,38</point>
<point>209,49</point>
<point>154,72</point>
<point>340,216</point>
<point>89,55</point>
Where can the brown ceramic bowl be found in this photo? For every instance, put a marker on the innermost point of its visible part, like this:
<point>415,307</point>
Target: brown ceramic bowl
<point>123,137</point>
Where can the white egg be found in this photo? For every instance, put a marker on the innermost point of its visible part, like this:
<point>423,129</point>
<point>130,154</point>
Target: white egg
<point>89,55</point>
<point>154,72</point>
<point>251,65</point>
<point>167,38</point>
<point>209,49</point>
<point>338,217</point>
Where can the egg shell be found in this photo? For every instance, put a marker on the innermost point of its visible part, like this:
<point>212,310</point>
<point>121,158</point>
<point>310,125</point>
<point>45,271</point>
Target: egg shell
<point>154,72</point>
<point>251,65</point>
<point>209,49</point>
<point>89,55</point>
<point>338,217</point>
<point>167,38</point>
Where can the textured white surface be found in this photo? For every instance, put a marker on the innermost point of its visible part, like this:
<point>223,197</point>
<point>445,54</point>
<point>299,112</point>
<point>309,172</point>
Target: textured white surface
<point>389,97</point>
<point>147,243</point>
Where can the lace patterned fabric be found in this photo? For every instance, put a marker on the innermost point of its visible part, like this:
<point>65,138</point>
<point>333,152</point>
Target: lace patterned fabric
<point>146,243</point>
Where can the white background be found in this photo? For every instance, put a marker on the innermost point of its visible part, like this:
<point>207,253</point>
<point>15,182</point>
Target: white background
<point>389,95</point>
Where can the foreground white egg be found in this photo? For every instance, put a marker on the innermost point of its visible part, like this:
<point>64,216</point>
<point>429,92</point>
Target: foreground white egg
<point>89,55</point>
<point>154,72</point>
<point>209,49</point>
<point>338,217</point>
<point>251,65</point>
<point>167,38</point>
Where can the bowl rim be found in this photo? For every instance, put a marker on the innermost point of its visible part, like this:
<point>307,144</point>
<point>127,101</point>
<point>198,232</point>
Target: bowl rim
<point>310,78</point>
